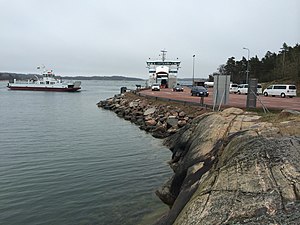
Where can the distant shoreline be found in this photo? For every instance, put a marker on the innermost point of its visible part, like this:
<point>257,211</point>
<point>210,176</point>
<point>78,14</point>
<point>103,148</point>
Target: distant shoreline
<point>4,76</point>
<point>103,78</point>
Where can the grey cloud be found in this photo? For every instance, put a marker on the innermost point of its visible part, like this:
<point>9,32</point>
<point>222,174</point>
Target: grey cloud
<point>110,37</point>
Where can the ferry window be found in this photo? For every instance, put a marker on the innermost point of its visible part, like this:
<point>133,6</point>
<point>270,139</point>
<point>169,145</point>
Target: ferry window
<point>47,82</point>
<point>52,83</point>
<point>41,82</point>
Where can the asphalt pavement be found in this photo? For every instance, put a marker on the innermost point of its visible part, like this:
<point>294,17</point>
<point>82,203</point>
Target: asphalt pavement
<point>235,100</point>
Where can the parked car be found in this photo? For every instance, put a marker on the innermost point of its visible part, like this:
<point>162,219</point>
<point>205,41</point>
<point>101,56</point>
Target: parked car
<point>233,88</point>
<point>259,89</point>
<point>281,90</point>
<point>199,91</point>
<point>155,87</point>
<point>243,89</point>
<point>178,87</point>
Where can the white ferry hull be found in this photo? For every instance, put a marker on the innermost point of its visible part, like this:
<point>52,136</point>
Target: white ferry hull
<point>47,83</point>
<point>35,88</point>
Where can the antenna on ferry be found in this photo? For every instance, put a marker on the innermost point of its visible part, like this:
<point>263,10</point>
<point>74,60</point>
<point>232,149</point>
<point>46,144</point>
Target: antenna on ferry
<point>164,51</point>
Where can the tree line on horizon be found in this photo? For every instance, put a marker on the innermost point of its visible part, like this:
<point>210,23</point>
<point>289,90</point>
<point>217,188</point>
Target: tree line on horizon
<point>20,76</point>
<point>281,66</point>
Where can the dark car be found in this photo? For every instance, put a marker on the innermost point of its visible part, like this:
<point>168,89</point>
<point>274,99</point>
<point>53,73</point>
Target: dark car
<point>178,87</point>
<point>199,91</point>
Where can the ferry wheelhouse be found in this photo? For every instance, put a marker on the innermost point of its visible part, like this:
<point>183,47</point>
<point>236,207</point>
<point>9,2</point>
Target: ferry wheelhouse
<point>163,71</point>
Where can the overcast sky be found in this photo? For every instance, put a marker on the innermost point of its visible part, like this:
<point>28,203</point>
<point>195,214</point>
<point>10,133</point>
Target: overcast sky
<point>116,37</point>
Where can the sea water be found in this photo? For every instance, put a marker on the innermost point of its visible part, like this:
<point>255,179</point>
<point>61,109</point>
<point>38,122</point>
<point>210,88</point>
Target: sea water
<point>65,161</point>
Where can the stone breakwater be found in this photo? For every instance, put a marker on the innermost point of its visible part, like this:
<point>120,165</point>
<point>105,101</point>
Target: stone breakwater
<point>230,167</point>
<point>161,120</point>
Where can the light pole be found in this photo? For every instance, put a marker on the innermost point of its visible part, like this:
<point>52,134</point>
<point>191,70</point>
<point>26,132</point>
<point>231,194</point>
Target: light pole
<point>247,72</point>
<point>283,61</point>
<point>193,70</point>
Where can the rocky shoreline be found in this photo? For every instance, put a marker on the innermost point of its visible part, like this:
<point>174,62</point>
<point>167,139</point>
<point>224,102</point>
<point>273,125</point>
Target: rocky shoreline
<point>160,120</point>
<point>230,167</point>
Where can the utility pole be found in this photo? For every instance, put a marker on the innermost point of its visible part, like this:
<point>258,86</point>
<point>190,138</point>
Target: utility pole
<point>193,70</point>
<point>247,72</point>
<point>283,61</point>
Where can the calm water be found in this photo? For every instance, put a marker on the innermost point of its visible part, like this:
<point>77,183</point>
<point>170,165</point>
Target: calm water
<point>64,161</point>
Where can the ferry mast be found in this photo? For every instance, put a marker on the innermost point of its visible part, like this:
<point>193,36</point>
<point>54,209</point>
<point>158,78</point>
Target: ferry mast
<point>164,52</point>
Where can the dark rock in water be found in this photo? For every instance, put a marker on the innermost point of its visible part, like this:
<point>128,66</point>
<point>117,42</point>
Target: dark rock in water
<point>149,128</point>
<point>160,128</point>
<point>165,194</point>
<point>140,121</point>
<point>127,117</point>
<point>158,134</point>
<point>108,107</point>
<point>143,127</point>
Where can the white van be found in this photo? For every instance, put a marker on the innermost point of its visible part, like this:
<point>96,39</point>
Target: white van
<point>281,90</point>
<point>233,88</point>
<point>243,89</point>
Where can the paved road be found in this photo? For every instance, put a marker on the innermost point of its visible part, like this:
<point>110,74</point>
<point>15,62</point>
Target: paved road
<point>235,100</point>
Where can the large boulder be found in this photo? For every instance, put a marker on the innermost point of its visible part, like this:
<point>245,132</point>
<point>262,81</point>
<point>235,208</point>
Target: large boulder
<point>172,121</point>
<point>150,122</point>
<point>255,179</point>
<point>149,111</point>
<point>133,104</point>
<point>232,168</point>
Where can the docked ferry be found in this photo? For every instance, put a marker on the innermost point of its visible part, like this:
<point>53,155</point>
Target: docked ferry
<point>48,82</point>
<point>163,71</point>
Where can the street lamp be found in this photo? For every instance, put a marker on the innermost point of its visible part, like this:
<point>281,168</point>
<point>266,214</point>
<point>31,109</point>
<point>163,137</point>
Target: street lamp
<point>283,61</point>
<point>193,70</point>
<point>247,72</point>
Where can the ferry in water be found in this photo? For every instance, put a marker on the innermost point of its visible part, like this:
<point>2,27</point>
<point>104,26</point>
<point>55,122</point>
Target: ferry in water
<point>163,71</point>
<point>48,82</point>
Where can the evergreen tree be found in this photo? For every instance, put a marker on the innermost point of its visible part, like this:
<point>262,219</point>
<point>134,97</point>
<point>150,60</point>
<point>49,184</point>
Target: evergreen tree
<point>284,66</point>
